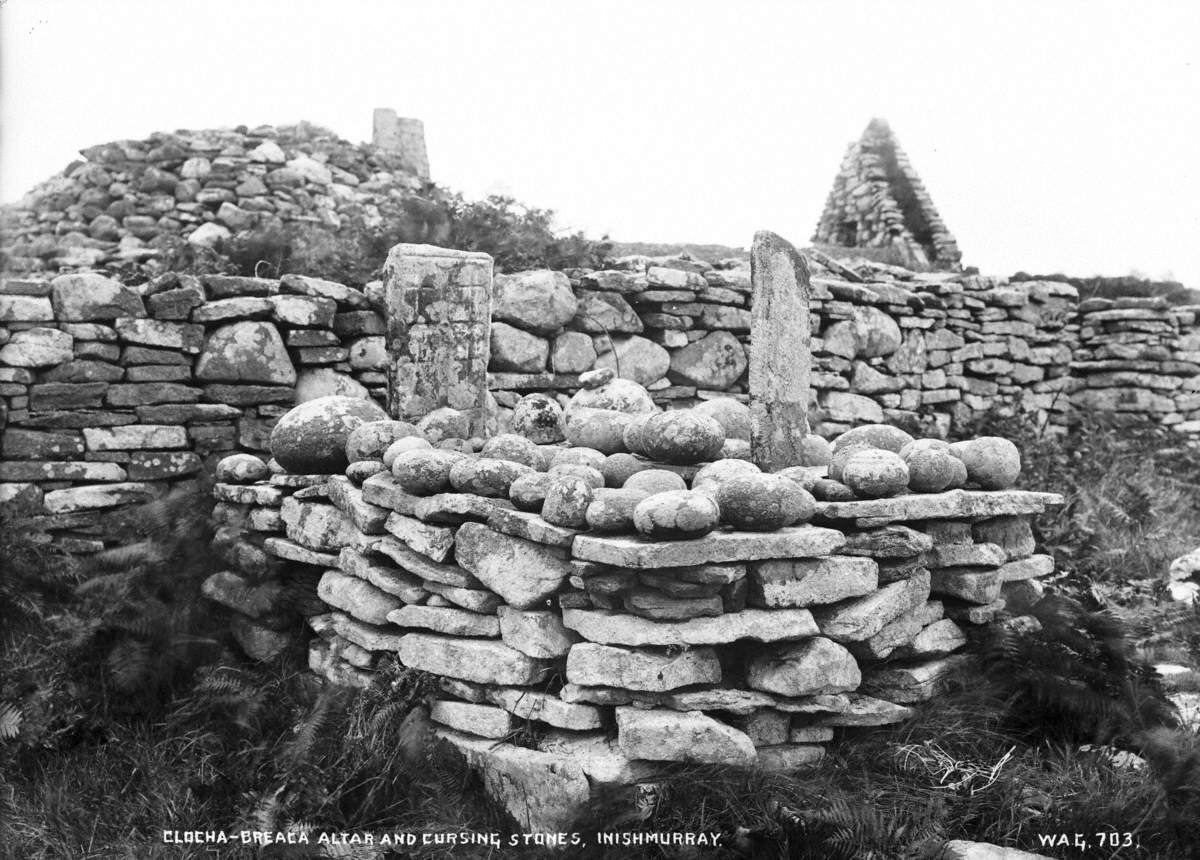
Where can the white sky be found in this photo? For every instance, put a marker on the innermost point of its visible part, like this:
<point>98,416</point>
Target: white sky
<point>1053,136</point>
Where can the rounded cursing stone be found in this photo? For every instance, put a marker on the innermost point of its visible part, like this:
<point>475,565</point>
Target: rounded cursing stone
<point>611,511</point>
<point>567,500</point>
<point>486,476</point>
<point>241,469</point>
<point>873,473</point>
<point>424,472</point>
<point>682,436</point>
<point>732,415</point>
<point>676,515</point>
<point>763,502</point>
<point>528,492</point>
<point>310,439</point>
<point>510,446</point>
<point>539,418</point>
<point>408,443</point>
<point>882,436</point>
<point>992,462</point>
<point>652,481</point>
<point>369,441</point>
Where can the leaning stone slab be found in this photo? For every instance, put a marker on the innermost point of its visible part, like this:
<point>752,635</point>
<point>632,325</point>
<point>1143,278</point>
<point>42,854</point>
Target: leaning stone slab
<point>937,640</point>
<point>291,551</point>
<point>455,508</point>
<point>908,684</point>
<point>789,756</point>
<point>898,633</point>
<point>762,625</point>
<point>385,577</point>
<point>867,711</point>
<point>535,705</point>
<point>863,617</point>
<point>421,566</point>
<point>480,720</point>
<point>474,599</point>
<point>717,547</point>
<point>531,526</point>
<point>484,661</point>
<point>319,527</point>
<point>444,619</point>
<point>1034,567</point>
<point>807,668</point>
<point>936,506</point>
<point>966,555</point>
<point>361,599</point>
<point>540,790</point>
<point>372,637</point>
<point>663,735</point>
<point>536,632</point>
<point>589,664</point>
<point>433,542</point>
<point>524,573</point>
<point>981,587</point>
<point>367,518</point>
<point>787,582</point>
<point>384,490</point>
<point>91,497</point>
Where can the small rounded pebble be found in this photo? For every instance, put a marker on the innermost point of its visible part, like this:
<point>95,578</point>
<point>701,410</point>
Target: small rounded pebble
<point>369,441</point>
<point>874,473</point>
<point>679,514</point>
<point>602,429</point>
<point>932,470</point>
<point>592,379</point>
<point>653,481</point>
<point>407,443</point>
<point>828,490</point>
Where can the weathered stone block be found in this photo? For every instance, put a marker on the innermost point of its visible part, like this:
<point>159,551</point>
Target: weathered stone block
<point>778,583</point>
<point>589,664</point>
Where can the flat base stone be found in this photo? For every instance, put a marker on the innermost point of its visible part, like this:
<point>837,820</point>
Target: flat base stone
<point>689,736</point>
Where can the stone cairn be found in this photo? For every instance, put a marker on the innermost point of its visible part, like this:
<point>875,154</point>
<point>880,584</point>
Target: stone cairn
<point>206,186</point>
<point>611,587</point>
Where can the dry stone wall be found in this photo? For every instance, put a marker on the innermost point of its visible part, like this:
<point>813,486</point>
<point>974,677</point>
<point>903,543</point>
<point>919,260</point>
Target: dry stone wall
<point>111,394</point>
<point>609,651</point>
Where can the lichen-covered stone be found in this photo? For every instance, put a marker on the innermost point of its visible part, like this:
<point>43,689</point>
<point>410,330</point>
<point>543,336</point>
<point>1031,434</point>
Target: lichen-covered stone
<point>682,436</point>
<point>592,476</point>
<point>424,472</point>
<point>875,473</point>
<point>241,469</point>
<point>582,455</point>
<point>762,502</point>
<point>666,735</point>
<point>540,301</point>
<point>402,446</point>
<point>811,667</point>
<point>611,510</point>
<point>993,463</point>
<point>486,476</point>
<point>680,514</point>
<point>732,415</point>
<point>539,418</point>
<point>601,429</point>
<point>711,476</point>
<point>311,438</point>
<point>567,500</point>
<point>932,470</point>
<point>528,492</point>
<point>510,446</point>
<point>652,481</point>
<point>882,436</point>
<point>593,665</point>
<point>246,352</point>
<point>445,423</point>
<point>622,395</point>
<point>524,573</point>
<point>369,441</point>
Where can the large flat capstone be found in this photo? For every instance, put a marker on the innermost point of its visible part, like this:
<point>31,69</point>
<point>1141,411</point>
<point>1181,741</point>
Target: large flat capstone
<point>717,547</point>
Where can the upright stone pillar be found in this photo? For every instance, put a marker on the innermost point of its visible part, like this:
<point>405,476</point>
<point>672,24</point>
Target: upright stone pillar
<point>780,354</point>
<point>439,308</point>
<point>404,137</point>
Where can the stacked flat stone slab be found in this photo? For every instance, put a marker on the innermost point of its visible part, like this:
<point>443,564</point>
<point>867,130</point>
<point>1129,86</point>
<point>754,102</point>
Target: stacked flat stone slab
<point>269,583</point>
<point>116,205</point>
<point>111,394</point>
<point>567,657</point>
<point>1139,356</point>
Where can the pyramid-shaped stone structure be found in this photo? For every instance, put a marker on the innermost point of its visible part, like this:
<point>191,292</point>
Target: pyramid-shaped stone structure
<point>878,201</point>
